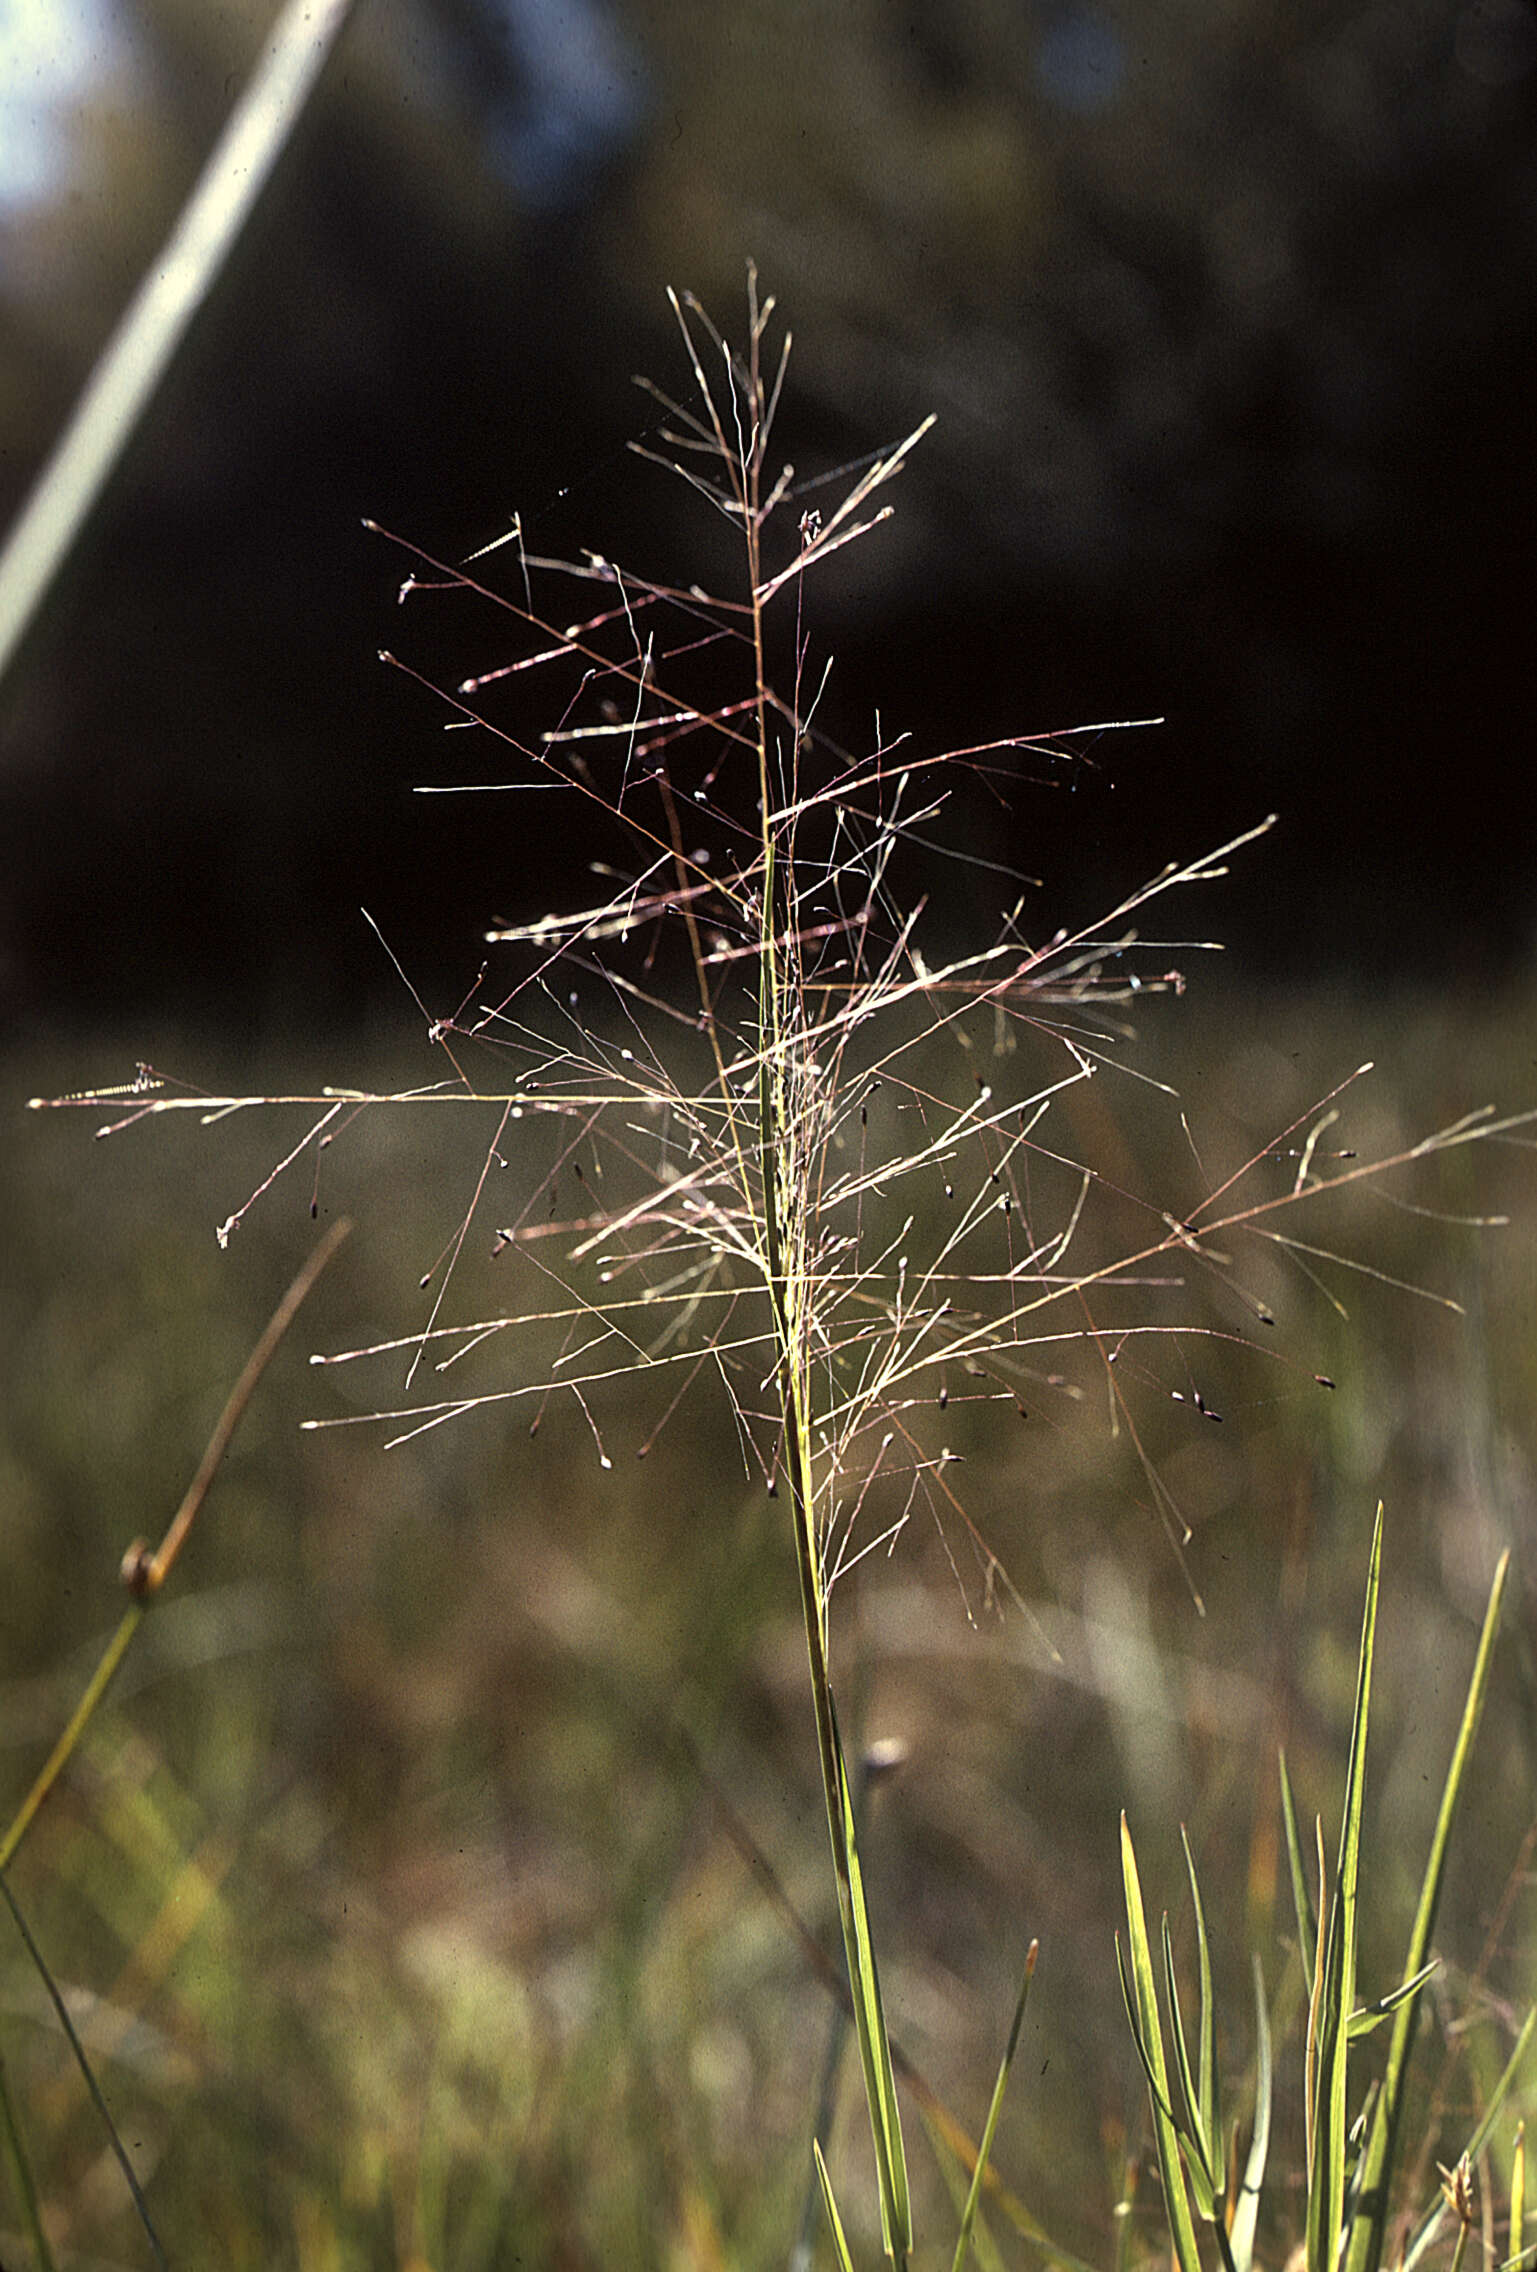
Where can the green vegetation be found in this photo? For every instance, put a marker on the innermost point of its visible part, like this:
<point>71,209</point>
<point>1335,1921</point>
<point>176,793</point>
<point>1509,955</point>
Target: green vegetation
<point>439,1891</point>
<point>1350,2163</point>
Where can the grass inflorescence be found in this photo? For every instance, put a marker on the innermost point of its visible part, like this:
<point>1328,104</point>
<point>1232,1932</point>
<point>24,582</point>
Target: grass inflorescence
<point>773,1134</point>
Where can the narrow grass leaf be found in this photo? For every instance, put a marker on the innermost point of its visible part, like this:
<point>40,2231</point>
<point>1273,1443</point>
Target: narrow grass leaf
<point>840,2243</point>
<point>1203,2176</point>
<point>1210,2102</point>
<point>1142,2007</point>
<point>1367,2016</point>
<point>1326,2189</point>
<point>1302,1899</point>
<point>1517,2191</point>
<point>1315,2007</point>
<point>974,2195</point>
<point>1380,2155</point>
<point>1133,2020</point>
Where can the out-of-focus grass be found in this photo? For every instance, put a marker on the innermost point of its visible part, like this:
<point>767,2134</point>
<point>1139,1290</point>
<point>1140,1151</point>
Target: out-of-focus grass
<point>400,1927</point>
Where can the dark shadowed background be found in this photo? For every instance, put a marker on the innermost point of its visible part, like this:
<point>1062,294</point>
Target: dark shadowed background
<point>1227,315</point>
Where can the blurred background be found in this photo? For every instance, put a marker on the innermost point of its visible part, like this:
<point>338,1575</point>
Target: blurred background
<point>386,1881</point>
<point>1227,315</point>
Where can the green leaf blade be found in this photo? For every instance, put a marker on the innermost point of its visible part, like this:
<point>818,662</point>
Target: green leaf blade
<point>978,2175</point>
<point>1326,2187</point>
<point>829,2202</point>
<point>1142,2001</point>
<point>1380,2153</point>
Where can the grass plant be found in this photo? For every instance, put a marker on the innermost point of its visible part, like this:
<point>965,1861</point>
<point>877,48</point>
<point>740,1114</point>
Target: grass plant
<point>771,1133</point>
<point>1352,2157</point>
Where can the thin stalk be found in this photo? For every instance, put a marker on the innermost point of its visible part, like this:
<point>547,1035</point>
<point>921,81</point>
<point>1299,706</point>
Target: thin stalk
<point>974,2195</point>
<point>783,1220</point>
<point>21,2175</point>
<point>145,1572</point>
<point>1379,2158</point>
<point>114,2137</point>
<point>79,1720</point>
